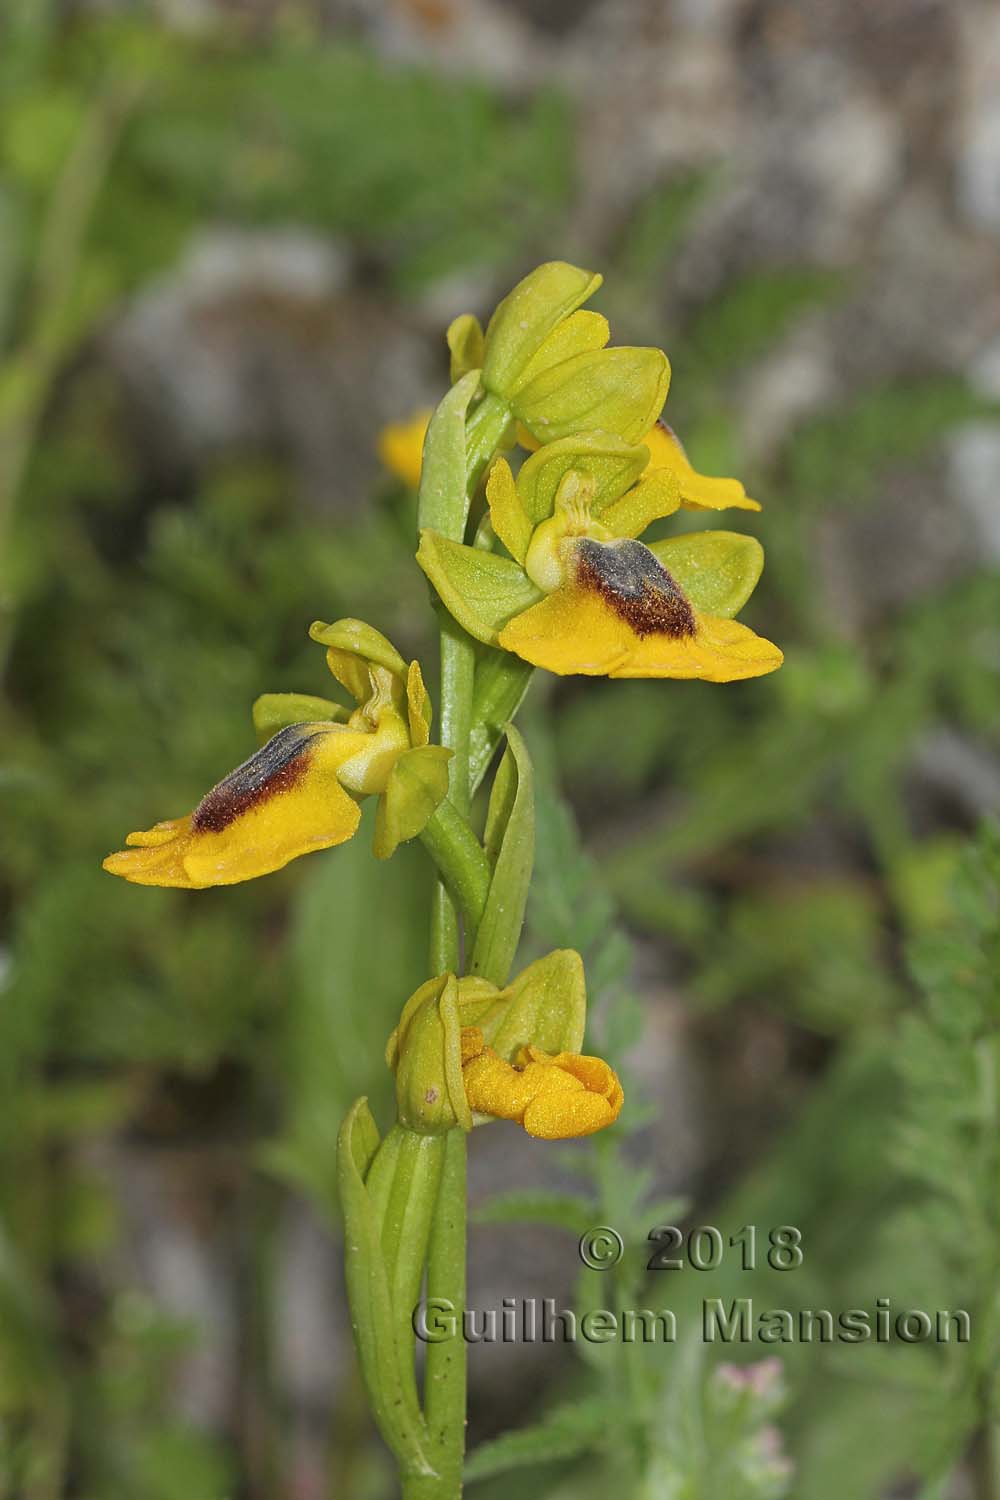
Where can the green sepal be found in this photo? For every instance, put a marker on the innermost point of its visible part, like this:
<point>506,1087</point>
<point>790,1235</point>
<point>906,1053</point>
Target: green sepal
<point>443,502</point>
<point>425,1053</point>
<point>654,497</point>
<point>581,333</point>
<point>361,639</point>
<point>392,1397</point>
<point>481,590</point>
<point>417,785</point>
<point>615,390</point>
<point>610,462</point>
<point>546,1005</point>
<point>273,712</point>
<point>718,570</point>
<point>509,842</point>
<point>526,317</point>
<point>501,682</point>
<point>466,344</point>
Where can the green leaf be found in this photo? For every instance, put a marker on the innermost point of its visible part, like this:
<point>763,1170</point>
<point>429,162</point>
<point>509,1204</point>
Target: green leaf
<point>718,570</point>
<point>417,785</point>
<point>500,685</point>
<point>509,842</point>
<point>393,1402</point>
<point>443,503</point>
<point>275,711</point>
<point>619,390</point>
<point>526,317</point>
<point>610,462</point>
<point>568,1431</point>
<point>403,1185</point>
<point>570,1211</point>
<point>479,589</point>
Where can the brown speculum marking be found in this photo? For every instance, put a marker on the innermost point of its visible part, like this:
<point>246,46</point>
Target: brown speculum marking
<point>275,768</point>
<point>629,579</point>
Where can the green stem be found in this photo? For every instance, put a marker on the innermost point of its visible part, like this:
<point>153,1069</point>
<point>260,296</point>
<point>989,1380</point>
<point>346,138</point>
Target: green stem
<point>465,876</point>
<point>445,1382</point>
<point>486,430</point>
<point>462,865</point>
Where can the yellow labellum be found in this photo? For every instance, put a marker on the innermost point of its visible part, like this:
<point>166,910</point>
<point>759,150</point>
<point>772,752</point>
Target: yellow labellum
<point>553,1097</point>
<point>284,801</point>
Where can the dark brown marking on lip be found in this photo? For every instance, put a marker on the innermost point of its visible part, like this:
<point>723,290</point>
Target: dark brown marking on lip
<point>275,767</point>
<point>629,579</point>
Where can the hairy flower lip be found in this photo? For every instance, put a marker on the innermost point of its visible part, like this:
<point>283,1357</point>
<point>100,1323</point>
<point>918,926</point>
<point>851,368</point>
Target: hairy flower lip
<point>553,1096</point>
<point>299,791</point>
<point>628,578</point>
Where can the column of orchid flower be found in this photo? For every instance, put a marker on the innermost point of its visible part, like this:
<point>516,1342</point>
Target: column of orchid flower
<point>538,568</point>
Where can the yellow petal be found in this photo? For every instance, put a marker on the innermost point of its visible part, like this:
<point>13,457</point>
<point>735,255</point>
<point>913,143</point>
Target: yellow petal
<point>282,802</point>
<point>655,496</point>
<point>510,520</point>
<point>698,491</point>
<point>719,651</point>
<point>418,706</point>
<point>624,615</point>
<point>554,1098</point>
<point>401,447</point>
<point>569,631</point>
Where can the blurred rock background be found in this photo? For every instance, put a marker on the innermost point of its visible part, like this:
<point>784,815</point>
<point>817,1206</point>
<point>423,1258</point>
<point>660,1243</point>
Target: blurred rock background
<point>231,237</point>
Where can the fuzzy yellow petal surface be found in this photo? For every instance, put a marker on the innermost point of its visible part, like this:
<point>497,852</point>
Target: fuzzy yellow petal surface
<point>569,631</point>
<point>554,1098</point>
<point>698,491</point>
<point>719,651</point>
<point>255,821</point>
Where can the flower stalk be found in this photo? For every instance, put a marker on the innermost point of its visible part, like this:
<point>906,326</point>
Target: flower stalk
<point>538,568</point>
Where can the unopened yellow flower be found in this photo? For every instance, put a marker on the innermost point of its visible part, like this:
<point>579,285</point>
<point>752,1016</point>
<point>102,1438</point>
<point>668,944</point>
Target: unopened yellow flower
<point>301,789</point>
<point>466,1052</point>
<point>553,1097</point>
<point>401,446</point>
<point>579,593</point>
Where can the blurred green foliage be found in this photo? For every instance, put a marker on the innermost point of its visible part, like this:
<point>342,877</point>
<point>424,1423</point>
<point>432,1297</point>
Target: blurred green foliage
<point>769,846</point>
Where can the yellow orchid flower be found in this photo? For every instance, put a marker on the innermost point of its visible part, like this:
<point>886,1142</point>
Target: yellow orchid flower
<point>401,446</point>
<point>580,594</point>
<point>465,1052</point>
<point>698,491</point>
<point>666,451</point>
<point>300,790</point>
<point>553,1097</point>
